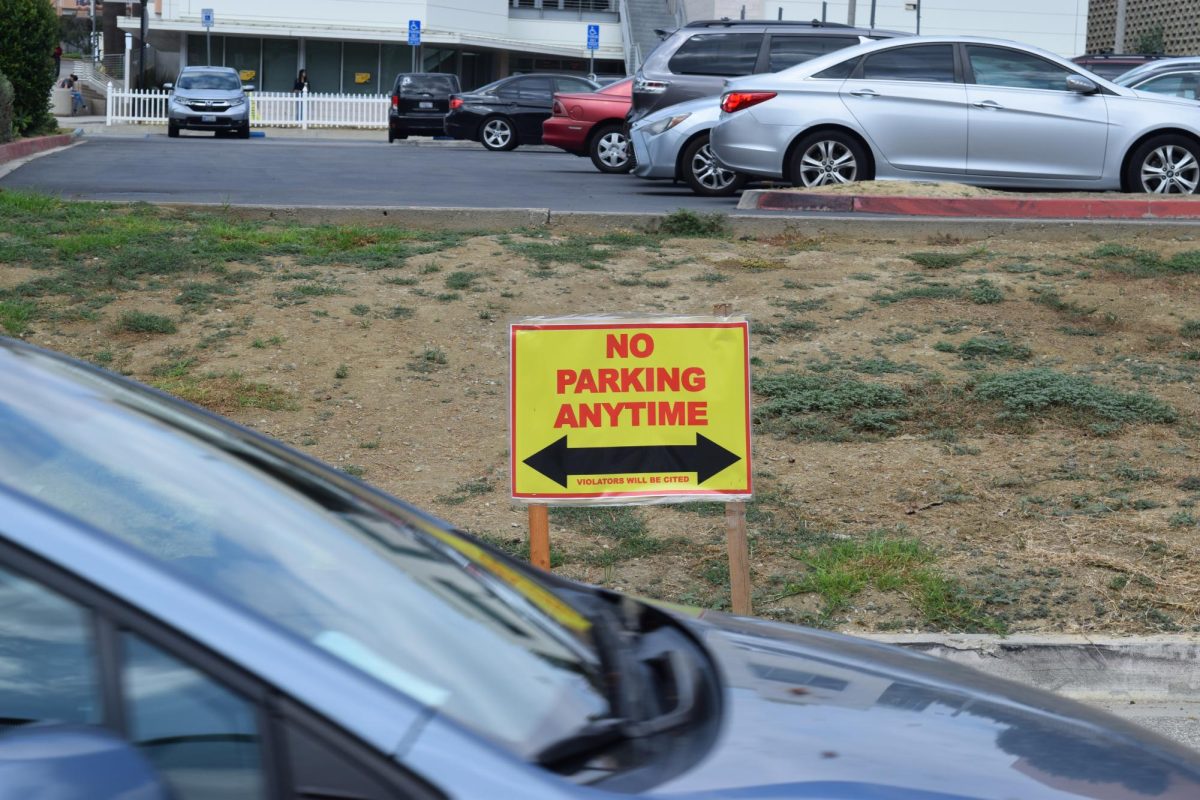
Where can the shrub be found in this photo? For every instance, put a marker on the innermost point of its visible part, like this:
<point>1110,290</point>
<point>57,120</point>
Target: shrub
<point>142,322</point>
<point>1038,390</point>
<point>28,31</point>
<point>688,223</point>
<point>6,109</point>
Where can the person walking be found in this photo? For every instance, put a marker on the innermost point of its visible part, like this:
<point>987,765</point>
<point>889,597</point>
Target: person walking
<point>57,60</point>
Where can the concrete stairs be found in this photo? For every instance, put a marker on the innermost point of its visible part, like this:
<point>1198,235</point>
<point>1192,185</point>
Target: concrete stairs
<point>644,17</point>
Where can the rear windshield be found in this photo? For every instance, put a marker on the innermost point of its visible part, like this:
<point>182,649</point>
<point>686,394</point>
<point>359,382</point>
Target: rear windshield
<point>434,84</point>
<point>209,80</point>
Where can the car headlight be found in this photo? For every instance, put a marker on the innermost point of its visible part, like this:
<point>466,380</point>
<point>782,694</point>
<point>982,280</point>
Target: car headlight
<point>237,101</point>
<point>665,124</point>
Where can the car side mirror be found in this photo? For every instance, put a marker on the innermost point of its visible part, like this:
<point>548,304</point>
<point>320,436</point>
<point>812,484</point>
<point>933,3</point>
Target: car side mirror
<point>170,87</point>
<point>74,762</point>
<point>247,87</point>
<point>1081,85</point>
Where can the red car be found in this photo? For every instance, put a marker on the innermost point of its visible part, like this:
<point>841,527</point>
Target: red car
<point>593,124</point>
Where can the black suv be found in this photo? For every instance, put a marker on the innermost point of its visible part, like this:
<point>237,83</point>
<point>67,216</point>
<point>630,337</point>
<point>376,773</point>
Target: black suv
<point>420,101</point>
<point>695,60</point>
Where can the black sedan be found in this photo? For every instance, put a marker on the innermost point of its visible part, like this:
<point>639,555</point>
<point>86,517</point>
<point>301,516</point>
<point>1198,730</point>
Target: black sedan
<point>510,111</point>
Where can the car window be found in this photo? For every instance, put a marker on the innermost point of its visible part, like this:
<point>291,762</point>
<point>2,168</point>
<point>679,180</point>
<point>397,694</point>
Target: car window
<point>929,63</point>
<point>534,89</point>
<point>1181,84</point>
<point>788,51</point>
<point>838,71</point>
<point>572,85</point>
<point>717,54</point>
<point>432,84</point>
<point>998,66</point>
<point>47,656</point>
<point>324,573</point>
<point>209,80</point>
<point>202,738</point>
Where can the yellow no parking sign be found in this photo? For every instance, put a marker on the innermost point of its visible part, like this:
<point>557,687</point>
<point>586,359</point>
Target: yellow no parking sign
<point>630,409</point>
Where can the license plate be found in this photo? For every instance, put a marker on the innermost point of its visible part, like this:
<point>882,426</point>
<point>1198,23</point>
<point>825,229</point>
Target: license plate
<point>424,104</point>
<point>208,118</point>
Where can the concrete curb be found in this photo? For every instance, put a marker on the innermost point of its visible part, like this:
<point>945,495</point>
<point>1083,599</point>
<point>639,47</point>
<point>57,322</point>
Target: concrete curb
<point>29,147</point>
<point>1143,668</point>
<point>1141,208</point>
<point>501,220</point>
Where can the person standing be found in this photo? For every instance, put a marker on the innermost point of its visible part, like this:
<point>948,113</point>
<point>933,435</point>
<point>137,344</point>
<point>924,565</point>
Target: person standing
<point>57,61</point>
<point>300,87</point>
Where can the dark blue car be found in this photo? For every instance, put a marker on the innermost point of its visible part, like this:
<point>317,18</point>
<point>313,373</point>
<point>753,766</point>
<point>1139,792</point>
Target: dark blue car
<point>230,619</point>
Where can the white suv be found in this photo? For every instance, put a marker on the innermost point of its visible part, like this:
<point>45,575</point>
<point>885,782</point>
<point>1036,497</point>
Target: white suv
<point>209,99</point>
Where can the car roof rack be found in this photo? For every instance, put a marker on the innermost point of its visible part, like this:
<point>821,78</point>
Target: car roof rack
<point>726,22</point>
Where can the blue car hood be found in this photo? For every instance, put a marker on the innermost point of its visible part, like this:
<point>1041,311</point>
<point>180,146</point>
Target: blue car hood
<point>810,714</point>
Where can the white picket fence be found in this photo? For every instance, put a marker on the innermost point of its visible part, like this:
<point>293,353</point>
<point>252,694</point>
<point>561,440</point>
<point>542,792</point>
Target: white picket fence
<point>267,109</point>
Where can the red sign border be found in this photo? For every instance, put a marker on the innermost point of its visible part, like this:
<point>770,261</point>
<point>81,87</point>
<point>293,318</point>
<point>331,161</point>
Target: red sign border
<point>512,411</point>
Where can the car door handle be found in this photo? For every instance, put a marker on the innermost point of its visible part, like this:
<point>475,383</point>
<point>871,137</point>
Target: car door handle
<point>987,104</point>
<point>864,93</point>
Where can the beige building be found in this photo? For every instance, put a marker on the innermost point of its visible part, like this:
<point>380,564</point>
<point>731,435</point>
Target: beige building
<point>1179,21</point>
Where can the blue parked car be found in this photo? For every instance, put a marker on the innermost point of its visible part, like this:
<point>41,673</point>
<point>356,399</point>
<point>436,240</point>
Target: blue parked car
<point>191,610</point>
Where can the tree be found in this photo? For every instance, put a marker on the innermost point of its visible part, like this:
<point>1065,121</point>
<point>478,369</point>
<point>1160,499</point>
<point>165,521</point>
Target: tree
<point>76,33</point>
<point>1151,41</point>
<point>29,31</point>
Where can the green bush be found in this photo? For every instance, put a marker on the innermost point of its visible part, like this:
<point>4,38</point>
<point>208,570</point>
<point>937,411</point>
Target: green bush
<point>142,322</point>
<point>28,33</point>
<point>1027,392</point>
<point>6,109</point>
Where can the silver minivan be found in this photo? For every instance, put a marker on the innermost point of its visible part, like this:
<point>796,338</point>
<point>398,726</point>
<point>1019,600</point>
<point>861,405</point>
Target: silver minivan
<point>208,99</point>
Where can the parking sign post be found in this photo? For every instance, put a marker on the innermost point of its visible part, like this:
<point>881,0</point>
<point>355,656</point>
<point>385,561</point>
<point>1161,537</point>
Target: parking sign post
<point>414,40</point>
<point>206,19</point>
<point>593,42</point>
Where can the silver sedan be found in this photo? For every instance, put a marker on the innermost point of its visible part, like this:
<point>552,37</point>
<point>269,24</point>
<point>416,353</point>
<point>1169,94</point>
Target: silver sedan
<point>672,143</point>
<point>979,111</point>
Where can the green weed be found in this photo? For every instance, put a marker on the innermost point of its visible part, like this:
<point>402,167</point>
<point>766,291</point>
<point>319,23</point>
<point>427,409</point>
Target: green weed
<point>685,223</point>
<point>15,316</point>
<point>1037,392</point>
<point>143,322</point>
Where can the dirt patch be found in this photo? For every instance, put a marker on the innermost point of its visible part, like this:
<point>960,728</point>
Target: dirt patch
<point>1060,499</point>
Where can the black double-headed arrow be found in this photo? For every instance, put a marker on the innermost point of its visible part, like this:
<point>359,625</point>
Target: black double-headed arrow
<point>705,458</point>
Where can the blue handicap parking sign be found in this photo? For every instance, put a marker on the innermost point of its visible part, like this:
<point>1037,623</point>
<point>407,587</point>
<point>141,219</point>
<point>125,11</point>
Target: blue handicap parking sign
<point>206,17</point>
<point>593,37</point>
<point>414,31</point>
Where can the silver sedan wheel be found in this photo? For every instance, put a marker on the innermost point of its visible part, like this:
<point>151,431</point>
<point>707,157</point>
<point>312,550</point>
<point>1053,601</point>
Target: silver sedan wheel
<point>613,149</point>
<point>828,162</point>
<point>497,134</point>
<point>708,172</point>
<point>1170,169</point>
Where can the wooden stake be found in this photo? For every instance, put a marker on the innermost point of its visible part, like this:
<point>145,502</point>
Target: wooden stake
<point>539,536</point>
<point>739,558</point>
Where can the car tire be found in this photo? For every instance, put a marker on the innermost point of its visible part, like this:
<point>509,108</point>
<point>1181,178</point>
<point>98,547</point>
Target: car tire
<point>611,150</point>
<point>1168,164</point>
<point>828,158</point>
<point>172,130</point>
<point>704,175</point>
<point>498,133</point>
<point>391,137</point>
<point>244,131</point>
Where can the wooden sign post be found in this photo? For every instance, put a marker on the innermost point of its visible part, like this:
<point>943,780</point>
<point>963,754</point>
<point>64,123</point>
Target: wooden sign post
<point>539,536</point>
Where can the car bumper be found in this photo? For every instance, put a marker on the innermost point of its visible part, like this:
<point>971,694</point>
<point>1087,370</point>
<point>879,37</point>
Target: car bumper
<point>189,119</point>
<point>743,144</point>
<point>656,155</point>
<point>566,134</point>
<point>420,124</point>
<point>460,128</point>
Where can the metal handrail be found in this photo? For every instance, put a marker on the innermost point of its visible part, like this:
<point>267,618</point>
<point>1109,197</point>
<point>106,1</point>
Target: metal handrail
<point>633,53</point>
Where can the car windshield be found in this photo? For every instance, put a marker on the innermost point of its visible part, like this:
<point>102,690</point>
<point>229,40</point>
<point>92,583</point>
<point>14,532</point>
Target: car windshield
<point>209,80</point>
<point>433,84</point>
<point>417,607</point>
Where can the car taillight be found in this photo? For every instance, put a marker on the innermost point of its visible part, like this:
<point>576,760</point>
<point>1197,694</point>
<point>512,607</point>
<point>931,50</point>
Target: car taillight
<point>455,102</point>
<point>736,101</point>
<point>395,101</point>
<point>558,111</point>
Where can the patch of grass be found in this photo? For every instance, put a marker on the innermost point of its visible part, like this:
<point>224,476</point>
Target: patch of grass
<point>711,277</point>
<point>1038,392</point>
<point>993,348</point>
<point>461,279</point>
<point>984,293</point>
<point>826,406</point>
<point>940,260</point>
<point>400,312</point>
<point>432,359</point>
<point>143,322</point>
<point>685,223</point>
<point>840,571</point>
<point>466,490</point>
<point>621,531</point>
<point>1144,263</point>
<point>15,316</point>
<point>1054,301</point>
<point>198,295</point>
<point>300,293</point>
<point>925,291</point>
<point>1190,329</point>
<point>360,309</point>
<point>226,393</point>
<point>342,372</point>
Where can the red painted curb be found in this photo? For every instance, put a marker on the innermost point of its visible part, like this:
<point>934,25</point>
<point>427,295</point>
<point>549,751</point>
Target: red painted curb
<point>994,207</point>
<point>28,147</point>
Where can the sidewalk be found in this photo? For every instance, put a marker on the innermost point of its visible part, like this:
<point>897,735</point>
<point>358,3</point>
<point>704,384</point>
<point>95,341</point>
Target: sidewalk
<point>93,126</point>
